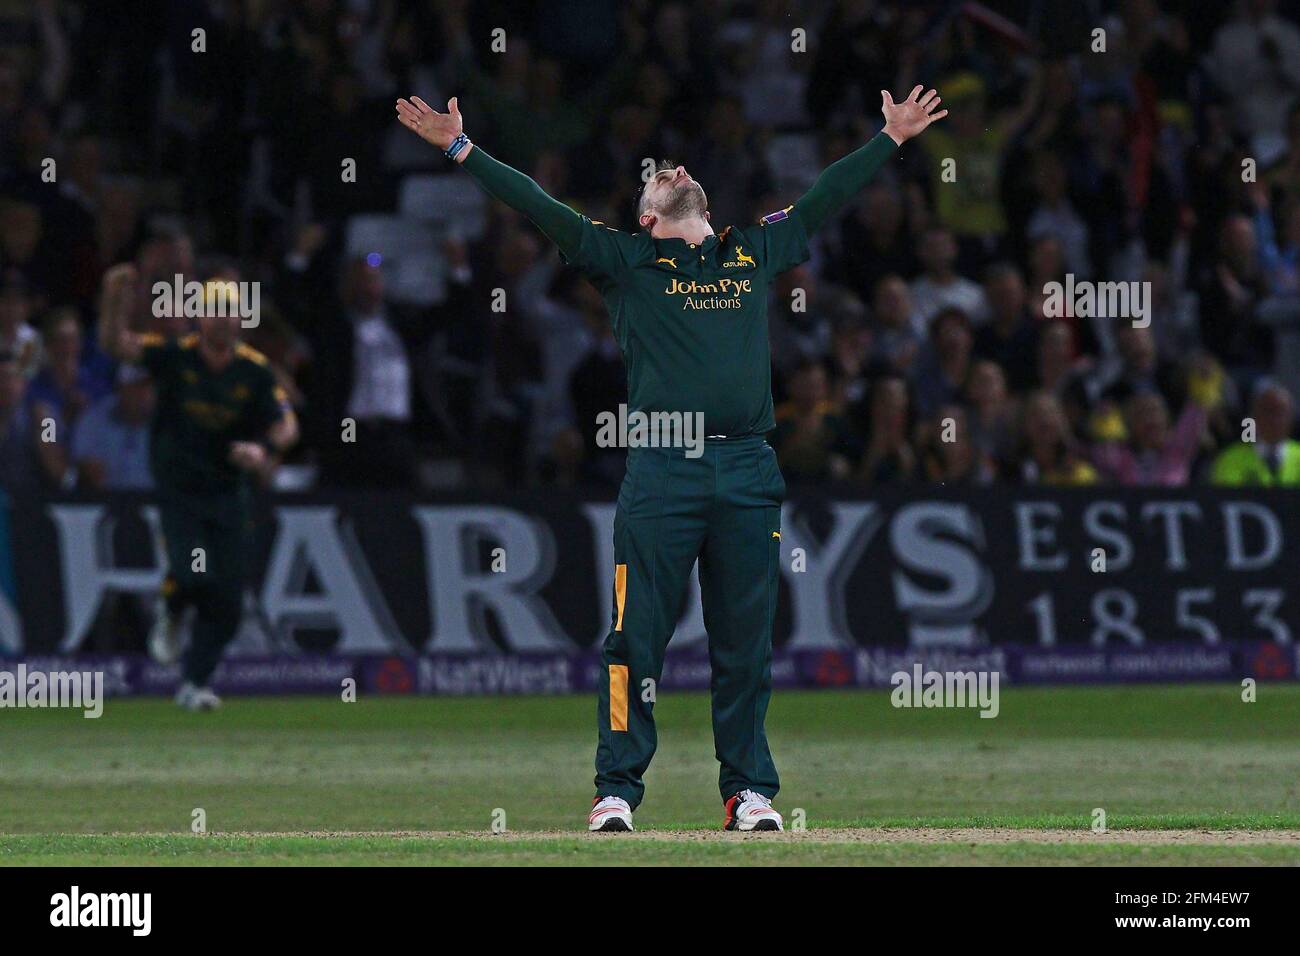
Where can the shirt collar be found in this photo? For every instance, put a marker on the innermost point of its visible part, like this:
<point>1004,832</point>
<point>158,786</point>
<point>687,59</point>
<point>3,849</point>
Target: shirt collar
<point>676,243</point>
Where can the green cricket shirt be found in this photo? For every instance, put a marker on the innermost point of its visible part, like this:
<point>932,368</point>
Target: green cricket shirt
<point>200,412</point>
<point>691,319</point>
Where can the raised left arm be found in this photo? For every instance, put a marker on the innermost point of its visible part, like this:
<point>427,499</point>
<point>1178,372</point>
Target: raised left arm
<point>843,179</point>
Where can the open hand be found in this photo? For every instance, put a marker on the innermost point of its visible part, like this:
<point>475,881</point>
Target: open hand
<point>908,118</point>
<point>440,129</point>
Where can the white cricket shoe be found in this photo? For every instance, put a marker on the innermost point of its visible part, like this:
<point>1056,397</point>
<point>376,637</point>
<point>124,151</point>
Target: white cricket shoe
<point>197,698</point>
<point>165,637</point>
<point>748,811</point>
<point>610,815</point>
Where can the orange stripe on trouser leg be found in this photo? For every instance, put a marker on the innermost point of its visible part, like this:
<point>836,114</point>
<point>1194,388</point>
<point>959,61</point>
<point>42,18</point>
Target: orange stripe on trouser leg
<point>620,592</point>
<point>618,697</point>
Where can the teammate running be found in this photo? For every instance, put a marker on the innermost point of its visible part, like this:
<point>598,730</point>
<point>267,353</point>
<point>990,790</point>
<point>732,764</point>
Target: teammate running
<point>220,416</point>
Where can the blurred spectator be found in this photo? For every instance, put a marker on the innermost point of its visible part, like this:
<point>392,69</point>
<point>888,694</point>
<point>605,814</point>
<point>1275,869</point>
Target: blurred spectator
<point>1273,457</point>
<point>970,147</point>
<point>23,249</point>
<point>1139,369</point>
<point>110,447</point>
<point>564,321</point>
<point>1056,216</point>
<point>1259,51</point>
<point>598,384</point>
<point>1123,194</point>
<point>1284,176</point>
<point>75,373</point>
<point>1154,453</point>
<point>889,457</point>
<point>1230,293</point>
<point>1060,374</point>
<point>797,333</point>
<point>811,439</point>
<point>17,337</point>
<point>850,361</point>
<point>1173,310</point>
<point>941,371</point>
<point>894,325</point>
<point>875,241</point>
<point>1048,454</point>
<point>20,466</point>
<point>1046,265</point>
<point>365,377</point>
<point>940,287</point>
<point>951,454</point>
<point>993,413</point>
<point>1279,255</point>
<point>1009,338</point>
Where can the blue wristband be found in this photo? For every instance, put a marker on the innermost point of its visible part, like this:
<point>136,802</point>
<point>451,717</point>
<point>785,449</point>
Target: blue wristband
<point>457,144</point>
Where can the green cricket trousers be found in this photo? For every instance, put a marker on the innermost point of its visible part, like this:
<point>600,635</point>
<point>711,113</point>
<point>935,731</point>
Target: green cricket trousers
<point>206,538</point>
<point>724,510</point>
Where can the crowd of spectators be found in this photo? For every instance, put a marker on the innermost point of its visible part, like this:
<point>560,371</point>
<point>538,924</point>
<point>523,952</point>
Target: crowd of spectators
<point>1126,141</point>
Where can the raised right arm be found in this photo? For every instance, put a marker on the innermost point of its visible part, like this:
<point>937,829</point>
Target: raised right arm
<point>520,192</point>
<point>560,224</point>
<point>115,297</point>
<point>841,181</point>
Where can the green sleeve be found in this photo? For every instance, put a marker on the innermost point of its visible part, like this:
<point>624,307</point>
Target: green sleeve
<point>781,241</point>
<point>600,252</point>
<point>842,180</point>
<point>560,224</point>
<point>271,402</point>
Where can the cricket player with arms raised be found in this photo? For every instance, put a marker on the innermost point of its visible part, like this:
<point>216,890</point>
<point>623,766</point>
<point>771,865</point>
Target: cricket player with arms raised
<point>689,308</point>
<point>221,417</point>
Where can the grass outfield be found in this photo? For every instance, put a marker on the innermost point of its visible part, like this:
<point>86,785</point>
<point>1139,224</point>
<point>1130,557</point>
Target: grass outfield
<point>417,780</point>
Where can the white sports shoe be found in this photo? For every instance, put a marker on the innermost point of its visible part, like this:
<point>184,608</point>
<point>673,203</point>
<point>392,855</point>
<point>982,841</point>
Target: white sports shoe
<point>197,698</point>
<point>748,811</point>
<point>610,815</point>
<point>165,636</point>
